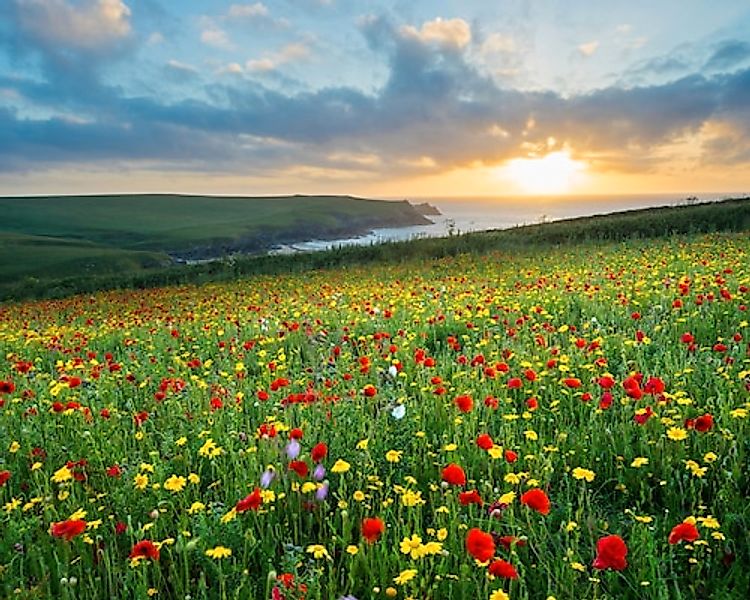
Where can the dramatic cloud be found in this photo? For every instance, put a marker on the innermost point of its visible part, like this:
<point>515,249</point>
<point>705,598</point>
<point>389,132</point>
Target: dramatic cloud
<point>436,109</point>
<point>86,25</point>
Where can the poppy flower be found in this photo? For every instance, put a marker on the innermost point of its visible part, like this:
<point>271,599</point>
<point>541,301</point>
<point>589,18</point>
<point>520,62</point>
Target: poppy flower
<point>704,423</point>
<point>480,545</point>
<point>464,403</point>
<point>372,529</point>
<point>454,475</point>
<point>250,502</point>
<point>300,467</point>
<point>471,497</point>
<point>68,529</point>
<point>319,452</point>
<point>4,476</point>
<point>507,541</point>
<point>536,500</point>
<point>145,549</point>
<point>515,383</point>
<point>510,456</point>
<point>484,441</point>
<point>684,532</point>
<point>114,471</point>
<point>572,382</point>
<point>7,387</point>
<point>610,553</point>
<point>502,568</point>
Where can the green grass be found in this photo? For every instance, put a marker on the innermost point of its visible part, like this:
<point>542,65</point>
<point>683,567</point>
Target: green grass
<point>176,223</point>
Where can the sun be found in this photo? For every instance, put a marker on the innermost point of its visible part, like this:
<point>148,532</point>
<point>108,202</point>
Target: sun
<point>555,173</point>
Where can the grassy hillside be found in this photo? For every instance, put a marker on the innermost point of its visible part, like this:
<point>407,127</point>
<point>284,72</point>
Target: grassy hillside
<point>729,215</point>
<point>45,238</point>
<point>184,224</point>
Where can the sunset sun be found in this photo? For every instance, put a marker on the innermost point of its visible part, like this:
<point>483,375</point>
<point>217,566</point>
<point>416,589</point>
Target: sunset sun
<point>555,173</point>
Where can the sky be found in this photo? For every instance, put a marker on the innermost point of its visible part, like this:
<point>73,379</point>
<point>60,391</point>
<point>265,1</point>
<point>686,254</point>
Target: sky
<point>396,98</point>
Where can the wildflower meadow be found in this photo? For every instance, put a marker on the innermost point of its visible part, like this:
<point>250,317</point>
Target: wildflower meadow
<point>564,424</point>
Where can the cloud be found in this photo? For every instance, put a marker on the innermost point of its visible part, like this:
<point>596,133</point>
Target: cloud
<point>728,54</point>
<point>450,33</point>
<point>245,11</point>
<point>272,61</point>
<point>213,35</point>
<point>87,25</point>
<point>436,110</point>
<point>588,48</point>
<point>180,71</point>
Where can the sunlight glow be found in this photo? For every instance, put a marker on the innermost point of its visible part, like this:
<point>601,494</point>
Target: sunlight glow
<point>555,173</point>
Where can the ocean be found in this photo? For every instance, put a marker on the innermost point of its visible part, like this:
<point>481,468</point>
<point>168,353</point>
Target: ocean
<point>462,215</point>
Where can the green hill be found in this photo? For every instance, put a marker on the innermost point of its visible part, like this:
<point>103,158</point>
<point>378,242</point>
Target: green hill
<point>74,236</point>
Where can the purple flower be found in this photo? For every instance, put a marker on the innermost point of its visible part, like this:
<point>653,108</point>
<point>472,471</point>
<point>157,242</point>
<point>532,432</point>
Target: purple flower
<point>267,477</point>
<point>319,473</point>
<point>322,492</point>
<point>293,449</point>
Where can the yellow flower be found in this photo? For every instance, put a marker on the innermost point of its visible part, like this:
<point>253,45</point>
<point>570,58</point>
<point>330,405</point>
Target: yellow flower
<point>411,546</point>
<point>194,478</point>
<point>219,552</point>
<point>531,435</point>
<point>230,516</point>
<point>643,519</point>
<point>140,481</point>
<point>393,456</point>
<point>353,550</point>
<point>318,551</point>
<point>77,515</point>
<point>450,447</point>
<point>507,498</point>
<point>709,522</point>
<point>175,483</point>
<point>358,496</point>
<point>587,474</point>
<point>405,576</point>
<point>739,413</point>
<point>147,467</point>
<point>12,505</point>
<point>676,433</point>
<point>442,534</point>
<point>340,466</point>
<point>181,441</point>
<point>14,447</point>
<point>196,507</point>
<point>495,452</point>
<point>499,595</point>
<point>362,444</point>
<point>512,478</point>
<point>578,567</point>
<point>61,475</point>
<point>209,449</point>
<point>571,526</point>
<point>152,592</point>
<point>639,461</point>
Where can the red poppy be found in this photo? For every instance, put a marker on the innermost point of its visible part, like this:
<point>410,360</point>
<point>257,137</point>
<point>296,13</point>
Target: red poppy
<point>606,382</point>
<point>68,529</point>
<point>502,568</point>
<point>464,403</point>
<point>484,441</point>
<point>4,476</point>
<point>114,471</point>
<point>7,387</point>
<point>295,434</point>
<point>372,529</point>
<point>514,383</point>
<point>537,500</point>
<point>644,416</point>
<point>120,528</point>
<point>510,456</point>
<point>250,502</point>
<point>686,532</point>
<point>454,475</point>
<point>370,390</point>
<point>319,452</point>
<point>300,467</point>
<point>471,497</point>
<point>610,553</point>
<point>145,549</point>
<point>572,382</point>
<point>480,545</point>
<point>704,423</point>
<point>507,541</point>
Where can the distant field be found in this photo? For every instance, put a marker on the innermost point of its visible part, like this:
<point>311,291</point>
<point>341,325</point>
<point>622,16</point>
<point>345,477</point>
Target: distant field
<point>53,237</point>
